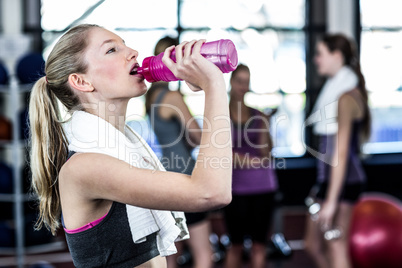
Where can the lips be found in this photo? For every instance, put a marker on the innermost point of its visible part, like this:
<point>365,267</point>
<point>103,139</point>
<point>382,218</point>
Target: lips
<point>134,69</point>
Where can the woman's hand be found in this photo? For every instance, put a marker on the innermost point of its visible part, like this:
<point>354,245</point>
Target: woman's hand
<point>326,215</point>
<point>192,67</point>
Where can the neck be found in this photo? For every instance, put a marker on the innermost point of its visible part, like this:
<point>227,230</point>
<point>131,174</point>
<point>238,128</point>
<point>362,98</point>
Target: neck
<point>336,70</point>
<point>237,105</point>
<point>112,112</point>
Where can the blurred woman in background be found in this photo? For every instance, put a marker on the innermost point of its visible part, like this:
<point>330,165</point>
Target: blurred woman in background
<point>342,121</point>
<point>254,179</point>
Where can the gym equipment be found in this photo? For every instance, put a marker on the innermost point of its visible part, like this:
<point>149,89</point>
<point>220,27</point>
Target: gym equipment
<point>6,130</point>
<point>30,68</point>
<point>41,264</point>
<point>35,237</point>
<point>7,238</point>
<point>24,123</point>
<point>6,179</point>
<point>376,232</point>
<point>3,74</point>
<point>279,247</point>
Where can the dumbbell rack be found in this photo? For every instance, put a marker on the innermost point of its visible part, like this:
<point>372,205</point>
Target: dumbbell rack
<point>17,197</point>
<point>17,145</point>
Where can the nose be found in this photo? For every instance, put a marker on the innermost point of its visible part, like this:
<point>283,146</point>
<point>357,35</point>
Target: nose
<point>132,54</point>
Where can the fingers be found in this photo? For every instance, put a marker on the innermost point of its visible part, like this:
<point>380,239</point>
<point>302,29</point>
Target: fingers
<point>185,49</point>
<point>179,51</point>
<point>166,57</point>
<point>197,46</point>
<point>325,222</point>
<point>190,66</point>
<point>188,48</point>
<point>325,226</point>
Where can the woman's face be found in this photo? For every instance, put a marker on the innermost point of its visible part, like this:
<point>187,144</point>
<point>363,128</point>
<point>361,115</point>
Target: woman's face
<point>240,83</point>
<point>110,63</point>
<point>327,62</point>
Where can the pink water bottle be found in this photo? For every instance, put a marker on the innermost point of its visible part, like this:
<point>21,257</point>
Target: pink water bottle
<point>221,52</point>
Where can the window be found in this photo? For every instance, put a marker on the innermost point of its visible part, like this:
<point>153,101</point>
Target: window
<point>381,57</point>
<point>269,36</point>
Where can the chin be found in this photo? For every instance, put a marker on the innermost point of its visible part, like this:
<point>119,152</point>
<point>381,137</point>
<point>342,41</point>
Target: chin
<point>141,90</point>
<point>322,73</point>
<point>144,89</point>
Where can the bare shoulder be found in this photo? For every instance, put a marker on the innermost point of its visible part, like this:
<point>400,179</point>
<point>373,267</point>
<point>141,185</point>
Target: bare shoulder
<point>347,98</point>
<point>83,168</point>
<point>155,93</point>
<point>174,96</point>
<point>177,104</point>
<point>172,103</point>
<point>92,176</point>
<point>352,102</point>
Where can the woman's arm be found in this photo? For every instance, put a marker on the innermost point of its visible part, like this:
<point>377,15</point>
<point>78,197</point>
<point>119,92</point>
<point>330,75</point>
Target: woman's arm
<point>346,113</point>
<point>97,176</point>
<point>93,176</point>
<point>265,140</point>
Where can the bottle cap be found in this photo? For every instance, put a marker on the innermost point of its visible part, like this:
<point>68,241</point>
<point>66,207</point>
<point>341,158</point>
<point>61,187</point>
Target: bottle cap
<point>145,71</point>
<point>230,57</point>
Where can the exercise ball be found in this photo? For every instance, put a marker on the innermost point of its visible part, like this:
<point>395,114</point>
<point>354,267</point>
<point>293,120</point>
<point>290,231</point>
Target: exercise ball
<point>3,74</point>
<point>376,232</point>
<point>6,179</point>
<point>30,68</point>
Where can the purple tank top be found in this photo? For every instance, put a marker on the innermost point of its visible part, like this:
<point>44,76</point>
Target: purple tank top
<point>247,180</point>
<point>354,169</point>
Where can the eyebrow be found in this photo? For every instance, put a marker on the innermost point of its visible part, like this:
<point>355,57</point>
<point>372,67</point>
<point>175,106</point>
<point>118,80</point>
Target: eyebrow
<point>108,41</point>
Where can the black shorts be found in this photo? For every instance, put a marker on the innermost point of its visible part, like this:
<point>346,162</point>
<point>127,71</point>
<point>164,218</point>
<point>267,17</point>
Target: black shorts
<point>249,216</point>
<point>350,192</point>
<point>196,217</point>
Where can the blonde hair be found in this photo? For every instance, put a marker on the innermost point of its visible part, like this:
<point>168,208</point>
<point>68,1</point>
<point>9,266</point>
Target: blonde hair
<point>49,145</point>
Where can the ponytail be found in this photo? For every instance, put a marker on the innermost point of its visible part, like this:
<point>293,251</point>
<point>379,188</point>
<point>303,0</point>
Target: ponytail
<point>49,146</point>
<point>49,150</point>
<point>366,122</point>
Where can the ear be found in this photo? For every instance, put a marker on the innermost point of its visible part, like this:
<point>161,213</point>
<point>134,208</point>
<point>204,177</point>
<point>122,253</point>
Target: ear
<point>79,82</point>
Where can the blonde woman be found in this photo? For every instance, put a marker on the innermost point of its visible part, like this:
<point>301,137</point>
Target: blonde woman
<point>96,176</point>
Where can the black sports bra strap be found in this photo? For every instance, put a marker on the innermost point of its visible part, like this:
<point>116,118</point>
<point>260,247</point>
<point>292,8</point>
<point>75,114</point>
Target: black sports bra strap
<point>70,154</point>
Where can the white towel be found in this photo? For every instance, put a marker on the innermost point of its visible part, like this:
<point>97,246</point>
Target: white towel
<point>325,111</point>
<point>88,133</point>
